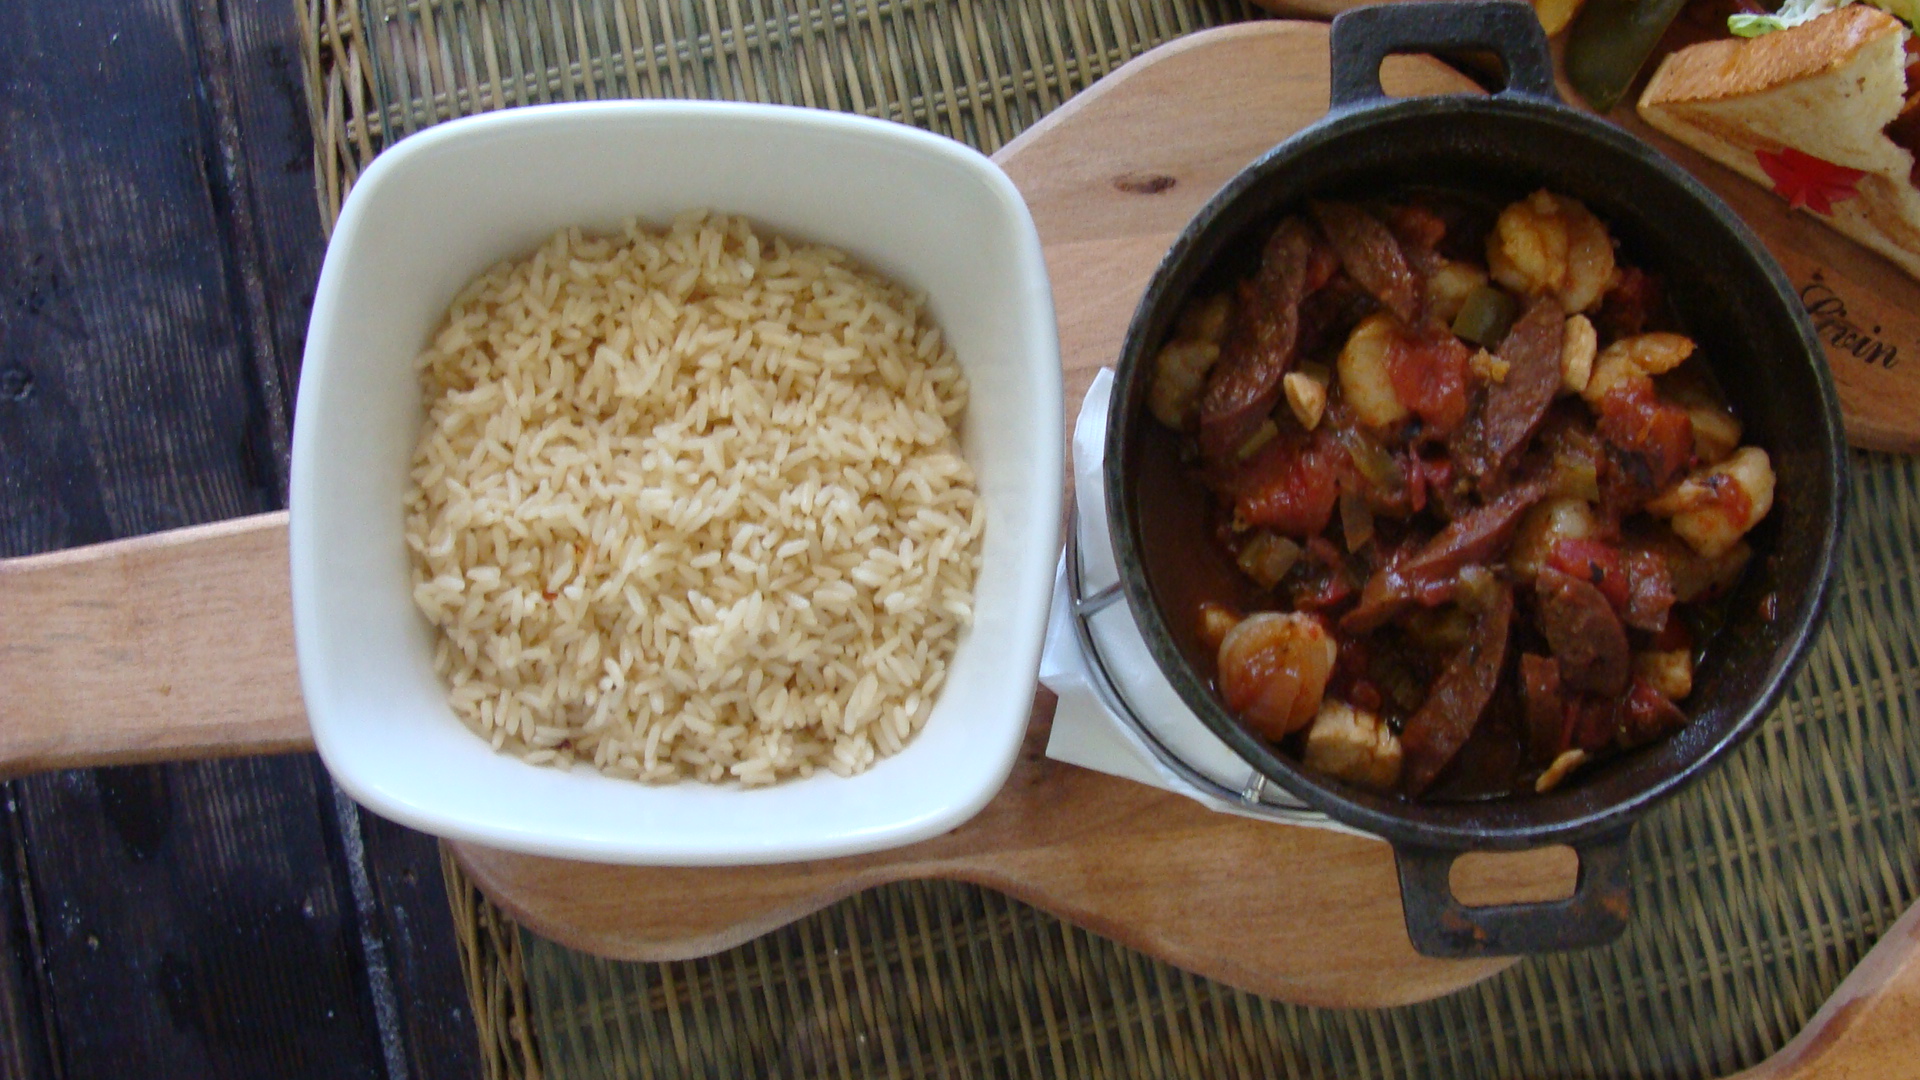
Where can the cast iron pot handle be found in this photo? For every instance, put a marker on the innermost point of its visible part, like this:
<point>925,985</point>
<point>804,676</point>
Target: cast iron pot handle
<point>1595,914</point>
<point>1364,37</point>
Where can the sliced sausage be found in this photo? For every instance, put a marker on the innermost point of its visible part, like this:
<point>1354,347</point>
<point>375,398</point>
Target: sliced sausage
<point>1587,638</point>
<point>1371,256</point>
<point>1476,536</point>
<point>1244,384</point>
<point>1546,707</point>
<point>1512,410</point>
<point>1435,733</point>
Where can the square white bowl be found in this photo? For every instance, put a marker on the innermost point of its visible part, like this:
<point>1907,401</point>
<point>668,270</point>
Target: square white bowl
<point>440,207</point>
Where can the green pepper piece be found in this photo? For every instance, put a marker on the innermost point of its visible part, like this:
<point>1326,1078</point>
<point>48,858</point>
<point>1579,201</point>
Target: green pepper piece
<point>1609,42</point>
<point>1486,316</point>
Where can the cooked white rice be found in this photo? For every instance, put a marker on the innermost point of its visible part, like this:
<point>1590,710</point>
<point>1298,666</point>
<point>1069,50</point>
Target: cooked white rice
<point>690,504</point>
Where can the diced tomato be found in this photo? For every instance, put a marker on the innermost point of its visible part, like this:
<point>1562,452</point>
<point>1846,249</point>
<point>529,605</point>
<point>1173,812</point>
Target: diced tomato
<point>1628,306</point>
<point>1289,486</point>
<point>1429,376</point>
<point>1323,595</point>
<point>1649,591</point>
<point>1322,550</point>
<point>1649,714</point>
<point>1594,562</point>
<point>1644,715</point>
<point>1592,722</point>
<point>1650,443</point>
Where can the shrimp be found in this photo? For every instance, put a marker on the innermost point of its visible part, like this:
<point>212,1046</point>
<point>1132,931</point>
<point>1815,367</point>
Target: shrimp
<point>1633,360</point>
<point>1365,380</point>
<point>1713,508</point>
<point>1274,670</point>
<point>1550,245</point>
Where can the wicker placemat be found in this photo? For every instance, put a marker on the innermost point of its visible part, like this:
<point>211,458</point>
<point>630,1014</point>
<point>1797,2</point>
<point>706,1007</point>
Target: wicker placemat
<point>1756,891</point>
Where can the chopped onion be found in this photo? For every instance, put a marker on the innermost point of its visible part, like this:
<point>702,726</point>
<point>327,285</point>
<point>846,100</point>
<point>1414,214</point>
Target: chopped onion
<point>1475,587</point>
<point>1574,477</point>
<point>1266,558</point>
<point>1261,436</point>
<point>1375,463</point>
<point>1356,520</point>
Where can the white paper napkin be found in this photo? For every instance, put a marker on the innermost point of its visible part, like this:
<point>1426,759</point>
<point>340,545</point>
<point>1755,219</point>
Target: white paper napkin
<point>1085,731</point>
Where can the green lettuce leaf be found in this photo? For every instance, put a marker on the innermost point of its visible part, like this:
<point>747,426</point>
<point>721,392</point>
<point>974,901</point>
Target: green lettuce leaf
<point>1799,12</point>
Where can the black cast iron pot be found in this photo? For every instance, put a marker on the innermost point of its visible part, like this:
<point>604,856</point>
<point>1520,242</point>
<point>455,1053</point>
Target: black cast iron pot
<point>1732,298</point>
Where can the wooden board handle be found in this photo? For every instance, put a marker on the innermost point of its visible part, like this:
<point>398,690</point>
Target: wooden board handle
<point>175,645</point>
<point>1871,1024</point>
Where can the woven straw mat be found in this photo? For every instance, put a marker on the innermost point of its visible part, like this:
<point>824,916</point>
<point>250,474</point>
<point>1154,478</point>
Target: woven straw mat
<point>1755,892</point>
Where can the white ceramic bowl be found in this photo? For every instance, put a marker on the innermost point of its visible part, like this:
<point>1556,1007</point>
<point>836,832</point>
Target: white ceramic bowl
<point>441,206</point>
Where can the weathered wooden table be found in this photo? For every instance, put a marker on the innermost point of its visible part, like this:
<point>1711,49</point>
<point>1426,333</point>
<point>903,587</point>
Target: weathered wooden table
<point>159,241</point>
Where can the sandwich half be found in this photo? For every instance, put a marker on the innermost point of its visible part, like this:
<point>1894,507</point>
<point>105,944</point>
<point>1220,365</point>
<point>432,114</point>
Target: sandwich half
<point>1806,111</point>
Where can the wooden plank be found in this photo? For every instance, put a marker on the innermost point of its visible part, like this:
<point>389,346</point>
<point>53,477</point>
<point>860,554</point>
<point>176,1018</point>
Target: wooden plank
<point>195,926</point>
<point>250,53</point>
<point>250,60</point>
<point>26,1053</point>
<point>194,920</point>
<point>129,405</point>
<point>415,923</point>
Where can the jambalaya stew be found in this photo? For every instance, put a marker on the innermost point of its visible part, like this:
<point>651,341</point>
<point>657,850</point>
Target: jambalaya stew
<point>1479,493</point>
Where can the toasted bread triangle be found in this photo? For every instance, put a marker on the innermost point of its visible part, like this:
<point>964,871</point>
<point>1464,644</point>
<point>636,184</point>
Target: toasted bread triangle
<point>1827,88</point>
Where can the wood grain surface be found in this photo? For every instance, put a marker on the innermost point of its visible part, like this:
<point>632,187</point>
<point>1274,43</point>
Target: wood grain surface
<point>157,252</point>
<point>131,655</point>
<point>1304,915</point>
<point>1870,1028</point>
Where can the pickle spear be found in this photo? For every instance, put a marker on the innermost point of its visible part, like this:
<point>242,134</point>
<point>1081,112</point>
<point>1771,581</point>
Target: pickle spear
<point>1609,42</point>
